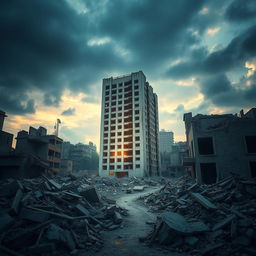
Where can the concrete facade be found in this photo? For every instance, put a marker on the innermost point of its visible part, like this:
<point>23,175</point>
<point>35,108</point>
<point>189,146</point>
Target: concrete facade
<point>6,138</point>
<point>129,138</point>
<point>36,142</point>
<point>221,144</point>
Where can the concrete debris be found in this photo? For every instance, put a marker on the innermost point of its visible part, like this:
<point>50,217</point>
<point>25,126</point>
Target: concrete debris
<point>89,193</point>
<point>5,221</point>
<point>129,185</point>
<point>216,219</point>
<point>203,201</point>
<point>138,188</point>
<point>16,203</point>
<point>54,216</point>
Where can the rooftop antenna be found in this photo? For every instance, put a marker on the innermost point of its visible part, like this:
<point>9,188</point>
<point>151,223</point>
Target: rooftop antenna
<point>56,127</point>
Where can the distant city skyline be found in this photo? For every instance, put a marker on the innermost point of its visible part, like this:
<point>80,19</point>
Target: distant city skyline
<point>199,56</point>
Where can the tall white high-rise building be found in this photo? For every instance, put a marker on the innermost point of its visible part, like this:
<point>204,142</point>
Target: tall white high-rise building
<point>129,143</point>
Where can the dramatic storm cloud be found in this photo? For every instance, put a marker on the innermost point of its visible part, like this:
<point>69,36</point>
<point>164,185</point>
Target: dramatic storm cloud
<point>199,56</point>
<point>68,112</point>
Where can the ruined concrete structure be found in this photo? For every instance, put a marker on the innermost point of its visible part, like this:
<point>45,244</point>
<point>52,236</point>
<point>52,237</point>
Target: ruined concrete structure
<point>5,137</point>
<point>26,161</point>
<point>220,145</point>
<point>37,143</point>
<point>129,143</point>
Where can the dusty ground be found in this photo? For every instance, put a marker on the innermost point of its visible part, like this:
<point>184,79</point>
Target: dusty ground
<point>125,241</point>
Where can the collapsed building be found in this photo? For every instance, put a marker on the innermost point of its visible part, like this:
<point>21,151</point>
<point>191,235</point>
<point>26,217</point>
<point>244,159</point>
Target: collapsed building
<point>221,144</point>
<point>6,138</point>
<point>37,142</point>
<point>35,152</point>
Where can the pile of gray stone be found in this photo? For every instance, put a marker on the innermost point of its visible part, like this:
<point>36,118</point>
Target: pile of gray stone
<point>54,216</point>
<point>217,219</point>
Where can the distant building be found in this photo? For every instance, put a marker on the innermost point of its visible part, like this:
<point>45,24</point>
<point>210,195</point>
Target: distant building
<point>6,138</point>
<point>171,162</point>
<point>66,149</point>
<point>80,154</point>
<point>129,144</point>
<point>36,142</point>
<point>165,141</point>
<point>179,150</point>
<point>165,147</point>
<point>66,166</point>
<point>221,144</point>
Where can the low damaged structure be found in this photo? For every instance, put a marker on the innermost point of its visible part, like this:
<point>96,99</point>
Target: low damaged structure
<point>6,138</point>
<point>36,142</point>
<point>35,153</point>
<point>221,144</point>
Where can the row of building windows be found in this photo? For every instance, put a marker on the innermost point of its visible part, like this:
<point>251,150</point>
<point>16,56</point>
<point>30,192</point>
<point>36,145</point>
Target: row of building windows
<point>126,139</point>
<point>114,98</point>
<point>128,111</point>
<point>120,96</point>
<point>113,86</point>
<point>114,109</point>
<point>126,146</point>
<point>125,126</point>
<point>125,133</point>
<point>118,160</point>
<point>112,167</point>
<point>129,119</point>
<point>120,153</point>
<point>205,145</point>
<point>127,89</point>
<point>130,145</point>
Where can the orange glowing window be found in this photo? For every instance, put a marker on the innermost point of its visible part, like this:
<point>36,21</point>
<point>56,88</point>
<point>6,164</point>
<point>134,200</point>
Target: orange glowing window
<point>119,153</point>
<point>112,153</point>
<point>111,173</point>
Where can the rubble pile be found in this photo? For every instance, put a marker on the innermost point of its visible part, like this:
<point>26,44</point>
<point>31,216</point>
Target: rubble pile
<point>60,216</point>
<point>108,185</point>
<point>217,219</point>
<point>114,186</point>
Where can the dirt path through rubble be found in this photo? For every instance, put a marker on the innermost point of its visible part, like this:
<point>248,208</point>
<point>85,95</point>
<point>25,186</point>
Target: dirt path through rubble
<point>125,241</point>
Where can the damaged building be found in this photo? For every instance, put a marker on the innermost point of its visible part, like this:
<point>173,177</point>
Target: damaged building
<point>6,138</point>
<point>35,152</point>
<point>38,143</point>
<point>221,144</point>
